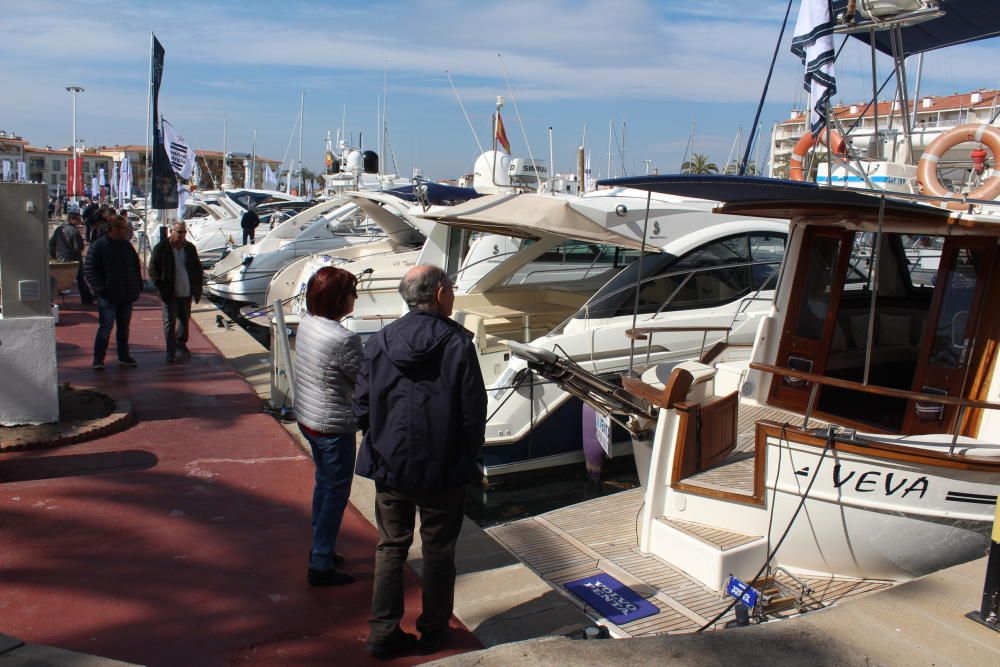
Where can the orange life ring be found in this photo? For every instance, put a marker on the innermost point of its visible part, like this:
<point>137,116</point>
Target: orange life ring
<point>927,169</point>
<point>806,142</point>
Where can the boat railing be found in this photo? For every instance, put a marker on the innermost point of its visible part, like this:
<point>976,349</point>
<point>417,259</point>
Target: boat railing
<point>646,334</point>
<point>816,381</point>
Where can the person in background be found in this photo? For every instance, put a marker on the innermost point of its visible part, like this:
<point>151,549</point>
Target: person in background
<point>421,405</point>
<point>52,206</point>
<point>113,273</point>
<point>66,245</point>
<point>89,212</point>
<point>249,223</point>
<point>327,360</point>
<point>176,271</point>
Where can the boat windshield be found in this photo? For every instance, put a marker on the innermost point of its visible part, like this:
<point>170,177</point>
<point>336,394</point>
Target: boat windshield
<point>713,274</point>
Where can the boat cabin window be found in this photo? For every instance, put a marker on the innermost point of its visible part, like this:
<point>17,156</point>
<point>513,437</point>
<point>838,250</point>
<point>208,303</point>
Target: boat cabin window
<point>927,295</point>
<point>711,275</point>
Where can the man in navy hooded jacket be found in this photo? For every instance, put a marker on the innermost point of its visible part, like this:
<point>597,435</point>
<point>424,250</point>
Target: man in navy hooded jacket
<point>421,406</point>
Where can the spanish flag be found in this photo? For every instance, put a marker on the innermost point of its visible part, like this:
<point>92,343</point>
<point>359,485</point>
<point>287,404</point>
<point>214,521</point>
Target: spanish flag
<point>502,135</point>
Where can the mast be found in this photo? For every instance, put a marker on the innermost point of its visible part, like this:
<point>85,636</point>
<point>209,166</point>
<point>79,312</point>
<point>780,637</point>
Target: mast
<point>149,134</point>
<point>611,132</point>
<point>253,159</point>
<point>302,122</point>
<point>225,151</point>
<point>552,167</point>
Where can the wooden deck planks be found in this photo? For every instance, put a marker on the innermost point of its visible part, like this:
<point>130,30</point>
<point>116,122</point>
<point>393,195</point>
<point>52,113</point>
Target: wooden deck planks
<point>600,536</point>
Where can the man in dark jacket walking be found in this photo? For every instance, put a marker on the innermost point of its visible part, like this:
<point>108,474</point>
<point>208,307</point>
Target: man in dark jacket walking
<point>112,270</point>
<point>249,223</point>
<point>176,271</point>
<point>421,405</point>
<point>66,245</point>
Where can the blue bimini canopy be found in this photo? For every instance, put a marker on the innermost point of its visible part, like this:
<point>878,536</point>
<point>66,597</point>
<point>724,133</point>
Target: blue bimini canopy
<point>776,198</point>
<point>437,194</point>
<point>963,21</point>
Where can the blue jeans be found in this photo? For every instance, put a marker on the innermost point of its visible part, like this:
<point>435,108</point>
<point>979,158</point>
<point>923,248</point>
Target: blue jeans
<point>334,457</point>
<point>111,314</point>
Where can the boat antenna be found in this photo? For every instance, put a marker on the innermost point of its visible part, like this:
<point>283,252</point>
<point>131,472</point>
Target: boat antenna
<point>763,95</point>
<point>466,113</point>
<point>611,131</point>
<point>517,110</point>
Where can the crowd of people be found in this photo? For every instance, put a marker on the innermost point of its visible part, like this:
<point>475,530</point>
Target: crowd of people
<point>414,391</point>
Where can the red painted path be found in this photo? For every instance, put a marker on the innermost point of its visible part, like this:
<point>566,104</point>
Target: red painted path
<point>184,539</point>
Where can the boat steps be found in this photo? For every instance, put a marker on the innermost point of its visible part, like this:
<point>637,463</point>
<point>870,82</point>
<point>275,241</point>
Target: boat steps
<point>600,536</point>
<point>709,555</point>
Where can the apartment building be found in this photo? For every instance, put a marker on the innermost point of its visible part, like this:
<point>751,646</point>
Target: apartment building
<point>933,115</point>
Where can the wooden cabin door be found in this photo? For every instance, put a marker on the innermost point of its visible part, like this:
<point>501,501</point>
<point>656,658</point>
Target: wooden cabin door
<point>949,336</point>
<point>812,312</point>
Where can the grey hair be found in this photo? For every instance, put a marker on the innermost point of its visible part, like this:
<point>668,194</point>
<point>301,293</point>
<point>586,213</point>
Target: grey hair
<point>420,290</point>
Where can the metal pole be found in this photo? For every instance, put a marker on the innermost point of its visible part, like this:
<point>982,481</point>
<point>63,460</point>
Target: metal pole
<point>989,608</point>
<point>638,281</point>
<point>76,167</point>
<point>876,145</point>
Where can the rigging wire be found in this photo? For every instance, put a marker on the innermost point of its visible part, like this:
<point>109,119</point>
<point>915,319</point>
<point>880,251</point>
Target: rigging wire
<point>466,113</point>
<point>767,83</point>
<point>788,528</point>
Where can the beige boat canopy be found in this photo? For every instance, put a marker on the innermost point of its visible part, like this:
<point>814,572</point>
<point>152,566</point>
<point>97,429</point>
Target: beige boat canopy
<point>532,216</point>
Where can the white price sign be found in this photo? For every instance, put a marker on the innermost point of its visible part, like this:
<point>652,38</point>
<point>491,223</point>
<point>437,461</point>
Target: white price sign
<point>603,430</point>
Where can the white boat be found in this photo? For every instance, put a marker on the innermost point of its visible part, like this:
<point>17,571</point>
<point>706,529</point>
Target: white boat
<point>704,271</point>
<point>213,219</point>
<point>245,273</point>
<point>880,454</point>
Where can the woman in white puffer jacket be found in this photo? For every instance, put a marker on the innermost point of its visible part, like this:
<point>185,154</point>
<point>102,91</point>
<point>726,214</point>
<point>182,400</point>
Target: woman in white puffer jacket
<point>328,358</point>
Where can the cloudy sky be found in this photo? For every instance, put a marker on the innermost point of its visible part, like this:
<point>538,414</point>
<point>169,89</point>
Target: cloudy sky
<point>656,66</point>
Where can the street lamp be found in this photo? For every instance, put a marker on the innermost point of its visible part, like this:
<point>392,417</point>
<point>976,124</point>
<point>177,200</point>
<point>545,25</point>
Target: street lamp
<point>76,174</point>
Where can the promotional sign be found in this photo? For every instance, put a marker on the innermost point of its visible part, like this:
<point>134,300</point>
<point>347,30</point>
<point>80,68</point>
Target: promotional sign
<point>22,171</point>
<point>611,598</point>
<point>6,170</point>
<point>94,188</point>
<point>100,177</point>
<point>181,155</point>
<point>742,592</point>
<point>124,182</point>
<point>164,186</point>
<point>72,177</point>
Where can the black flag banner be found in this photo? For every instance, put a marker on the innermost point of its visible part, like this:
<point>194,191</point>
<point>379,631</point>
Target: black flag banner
<point>164,186</point>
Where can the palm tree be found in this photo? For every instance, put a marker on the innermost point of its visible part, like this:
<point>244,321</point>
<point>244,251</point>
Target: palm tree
<point>734,168</point>
<point>699,164</point>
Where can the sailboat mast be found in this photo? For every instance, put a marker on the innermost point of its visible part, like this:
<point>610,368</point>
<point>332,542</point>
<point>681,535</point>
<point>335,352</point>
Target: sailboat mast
<point>225,151</point>
<point>253,159</point>
<point>611,132</point>
<point>302,122</point>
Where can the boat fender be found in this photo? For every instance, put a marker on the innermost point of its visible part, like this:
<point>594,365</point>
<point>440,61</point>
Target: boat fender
<point>839,147</point>
<point>927,177</point>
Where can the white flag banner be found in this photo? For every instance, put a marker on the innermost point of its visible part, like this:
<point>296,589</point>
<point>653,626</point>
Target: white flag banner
<point>114,181</point>
<point>196,174</point>
<point>227,175</point>
<point>183,194</point>
<point>6,170</point>
<point>288,181</point>
<point>270,178</point>
<point>94,192</point>
<point>22,171</point>
<point>181,155</point>
<point>124,182</point>
<point>812,41</point>
<point>100,177</point>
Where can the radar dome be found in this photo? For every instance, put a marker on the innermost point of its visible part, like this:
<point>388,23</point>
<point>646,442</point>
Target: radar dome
<point>491,173</point>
